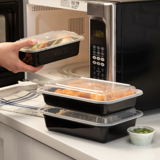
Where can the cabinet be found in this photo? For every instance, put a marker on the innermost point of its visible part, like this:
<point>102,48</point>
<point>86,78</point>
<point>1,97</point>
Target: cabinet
<point>17,146</point>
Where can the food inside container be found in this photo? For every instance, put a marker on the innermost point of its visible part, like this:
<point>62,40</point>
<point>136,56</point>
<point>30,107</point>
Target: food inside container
<point>87,88</point>
<point>90,95</point>
<point>93,127</point>
<point>96,91</point>
<point>51,40</point>
<point>52,46</point>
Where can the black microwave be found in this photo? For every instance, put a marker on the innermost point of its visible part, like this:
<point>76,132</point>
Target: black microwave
<point>11,29</point>
<point>125,46</point>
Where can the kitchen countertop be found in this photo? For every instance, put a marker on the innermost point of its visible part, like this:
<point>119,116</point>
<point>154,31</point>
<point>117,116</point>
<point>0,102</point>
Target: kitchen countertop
<point>79,148</point>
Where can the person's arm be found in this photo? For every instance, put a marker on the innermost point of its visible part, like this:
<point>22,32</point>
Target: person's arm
<point>9,56</point>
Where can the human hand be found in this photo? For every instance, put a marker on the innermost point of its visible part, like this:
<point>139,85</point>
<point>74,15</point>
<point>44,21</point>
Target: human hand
<point>9,56</point>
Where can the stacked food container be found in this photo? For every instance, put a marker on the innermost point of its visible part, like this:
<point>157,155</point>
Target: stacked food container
<point>51,46</point>
<point>89,108</point>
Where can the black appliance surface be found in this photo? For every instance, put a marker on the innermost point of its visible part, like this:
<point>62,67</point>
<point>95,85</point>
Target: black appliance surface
<point>12,11</point>
<point>137,50</point>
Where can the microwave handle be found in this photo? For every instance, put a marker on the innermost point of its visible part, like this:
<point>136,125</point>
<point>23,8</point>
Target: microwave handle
<point>106,13</point>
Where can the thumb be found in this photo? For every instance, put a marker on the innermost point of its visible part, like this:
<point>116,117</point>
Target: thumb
<point>24,43</point>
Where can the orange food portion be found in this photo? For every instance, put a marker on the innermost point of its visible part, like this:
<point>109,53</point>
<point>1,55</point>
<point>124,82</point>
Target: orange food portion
<point>97,97</point>
<point>42,45</point>
<point>120,94</point>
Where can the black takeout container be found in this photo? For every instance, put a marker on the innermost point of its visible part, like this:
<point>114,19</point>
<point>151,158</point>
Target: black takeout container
<point>55,48</point>
<point>92,127</point>
<point>87,105</point>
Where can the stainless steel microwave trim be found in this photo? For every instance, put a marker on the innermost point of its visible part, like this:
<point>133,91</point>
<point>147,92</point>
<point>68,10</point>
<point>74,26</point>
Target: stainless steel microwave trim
<point>82,4</point>
<point>25,2</point>
<point>106,12</point>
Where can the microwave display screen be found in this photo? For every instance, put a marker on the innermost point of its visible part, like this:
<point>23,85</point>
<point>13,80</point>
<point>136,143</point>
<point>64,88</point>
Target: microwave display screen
<point>98,50</point>
<point>98,33</point>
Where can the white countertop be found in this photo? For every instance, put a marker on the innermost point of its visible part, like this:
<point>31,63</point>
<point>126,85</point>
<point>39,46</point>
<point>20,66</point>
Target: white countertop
<point>79,148</point>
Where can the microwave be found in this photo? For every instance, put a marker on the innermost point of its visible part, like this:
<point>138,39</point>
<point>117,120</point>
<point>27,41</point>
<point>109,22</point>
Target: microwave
<point>121,42</point>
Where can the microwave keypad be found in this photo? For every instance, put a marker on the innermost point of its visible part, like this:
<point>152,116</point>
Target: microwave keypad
<point>98,62</point>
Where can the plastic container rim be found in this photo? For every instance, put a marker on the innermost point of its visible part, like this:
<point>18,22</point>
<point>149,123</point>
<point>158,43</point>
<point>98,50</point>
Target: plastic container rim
<point>56,85</point>
<point>79,38</point>
<point>138,114</point>
<point>138,93</point>
<point>140,134</point>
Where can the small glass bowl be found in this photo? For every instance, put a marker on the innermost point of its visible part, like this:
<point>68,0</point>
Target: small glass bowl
<point>140,139</point>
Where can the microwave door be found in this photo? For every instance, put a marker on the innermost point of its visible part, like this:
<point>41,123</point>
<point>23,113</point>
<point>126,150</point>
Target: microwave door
<point>11,18</point>
<point>6,26</point>
<point>11,29</point>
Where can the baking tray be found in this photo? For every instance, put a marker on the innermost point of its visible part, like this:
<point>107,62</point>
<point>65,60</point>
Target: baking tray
<point>51,51</point>
<point>97,128</point>
<point>87,105</point>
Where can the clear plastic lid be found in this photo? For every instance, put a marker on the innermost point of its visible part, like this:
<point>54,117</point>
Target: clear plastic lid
<point>112,119</point>
<point>51,40</point>
<point>87,88</point>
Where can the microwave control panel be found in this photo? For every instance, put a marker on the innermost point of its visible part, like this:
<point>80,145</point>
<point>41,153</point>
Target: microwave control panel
<point>98,54</point>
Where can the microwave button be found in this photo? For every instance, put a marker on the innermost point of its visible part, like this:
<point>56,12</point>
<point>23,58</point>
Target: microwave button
<point>98,53</point>
<point>94,62</point>
<point>102,53</point>
<point>94,57</point>
<point>98,68</point>
<point>98,63</point>
<point>94,52</point>
<point>98,47</point>
<point>94,67</point>
<point>102,64</point>
<point>102,75</point>
<point>102,59</point>
<point>94,46</point>
<point>98,74</point>
<point>102,69</point>
<point>94,73</point>
<point>98,58</point>
<point>102,48</point>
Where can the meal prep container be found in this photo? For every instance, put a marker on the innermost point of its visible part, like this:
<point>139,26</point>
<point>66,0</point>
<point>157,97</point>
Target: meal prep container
<point>51,46</point>
<point>91,95</point>
<point>97,128</point>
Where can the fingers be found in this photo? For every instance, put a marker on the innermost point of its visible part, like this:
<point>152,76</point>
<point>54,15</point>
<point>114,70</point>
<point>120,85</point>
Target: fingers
<point>24,43</point>
<point>22,67</point>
